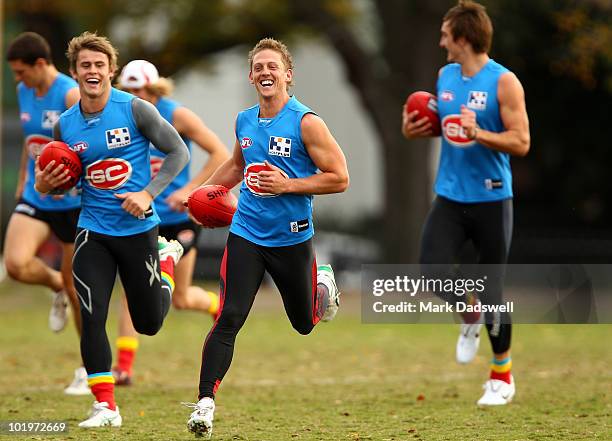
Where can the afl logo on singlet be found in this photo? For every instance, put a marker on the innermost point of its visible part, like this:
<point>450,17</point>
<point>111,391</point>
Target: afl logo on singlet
<point>108,174</point>
<point>246,142</point>
<point>251,179</point>
<point>454,133</point>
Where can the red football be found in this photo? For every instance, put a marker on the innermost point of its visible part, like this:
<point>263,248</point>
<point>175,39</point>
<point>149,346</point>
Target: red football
<point>60,153</point>
<point>427,105</point>
<point>212,205</point>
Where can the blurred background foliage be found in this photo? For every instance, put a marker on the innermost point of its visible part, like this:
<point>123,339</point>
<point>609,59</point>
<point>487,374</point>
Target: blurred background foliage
<point>561,50</point>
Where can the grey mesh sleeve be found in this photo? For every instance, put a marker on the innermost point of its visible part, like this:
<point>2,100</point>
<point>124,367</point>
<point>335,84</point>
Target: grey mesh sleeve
<point>166,139</point>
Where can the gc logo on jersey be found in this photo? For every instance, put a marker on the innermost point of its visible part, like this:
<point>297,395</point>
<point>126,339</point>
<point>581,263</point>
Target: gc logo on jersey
<point>156,163</point>
<point>108,174</point>
<point>49,118</point>
<point>116,138</point>
<point>251,178</point>
<point>279,146</point>
<point>454,133</point>
<point>477,100</point>
<point>35,143</point>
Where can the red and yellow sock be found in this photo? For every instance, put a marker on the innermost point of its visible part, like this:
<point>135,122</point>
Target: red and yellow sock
<point>126,352</point>
<point>500,369</point>
<point>102,385</point>
<point>167,273</point>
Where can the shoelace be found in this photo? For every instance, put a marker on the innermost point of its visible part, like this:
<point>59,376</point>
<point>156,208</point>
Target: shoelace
<point>97,408</point>
<point>493,386</point>
<point>196,406</point>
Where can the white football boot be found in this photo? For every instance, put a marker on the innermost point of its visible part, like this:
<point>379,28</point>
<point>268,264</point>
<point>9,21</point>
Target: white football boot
<point>325,275</point>
<point>468,342</point>
<point>200,422</point>
<point>79,384</point>
<point>169,249</point>
<point>58,315</point>
<point>101,416</point>
<point>497,393</point>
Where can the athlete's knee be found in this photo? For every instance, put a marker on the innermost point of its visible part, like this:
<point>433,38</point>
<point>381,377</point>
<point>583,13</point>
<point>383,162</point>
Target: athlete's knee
<point>303,328</point>
<point>15,268</point>
<point>148,326</point>
<point>179,299</point>
<point>231,318</point>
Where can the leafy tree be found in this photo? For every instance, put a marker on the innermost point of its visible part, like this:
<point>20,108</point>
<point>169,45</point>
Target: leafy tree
<point>561,51</point>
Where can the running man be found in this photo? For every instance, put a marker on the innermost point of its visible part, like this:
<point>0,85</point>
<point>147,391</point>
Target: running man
<point>142,79</point>
<point>280,145</point>
<point>484,121</point>
<point>43,94</point>
<point>111,130</point>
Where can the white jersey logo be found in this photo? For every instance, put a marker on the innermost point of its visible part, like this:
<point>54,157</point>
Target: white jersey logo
<point>116,138</point>
<point>49,118</point>
<point>279,146</point>
<point>477,100</point>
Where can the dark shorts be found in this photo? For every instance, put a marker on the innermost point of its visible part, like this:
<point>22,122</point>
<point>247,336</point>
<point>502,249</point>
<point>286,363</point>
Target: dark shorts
<point>186,233</point>
<point>63,223</point>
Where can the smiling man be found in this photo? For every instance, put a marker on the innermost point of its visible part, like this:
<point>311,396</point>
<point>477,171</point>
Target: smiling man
<point>117,230</point>
<point>484,120</point>
<point>283,154</point>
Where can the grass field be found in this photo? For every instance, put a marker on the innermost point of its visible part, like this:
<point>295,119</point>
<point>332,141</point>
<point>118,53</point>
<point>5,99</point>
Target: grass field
<point>346,381</point>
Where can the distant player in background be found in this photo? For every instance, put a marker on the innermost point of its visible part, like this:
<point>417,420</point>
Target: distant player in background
<point>111,132</point>
<point>484,121</point>
<point>43,94</point>
<point>280,145</point>
<point>141,78</point>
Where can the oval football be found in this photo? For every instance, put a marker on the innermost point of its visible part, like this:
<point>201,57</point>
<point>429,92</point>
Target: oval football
<point>427,106</point>
<point>60,153</point>
<point>212,205</point>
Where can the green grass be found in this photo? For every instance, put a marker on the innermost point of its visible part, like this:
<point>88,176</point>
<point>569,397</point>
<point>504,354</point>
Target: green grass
<point>346,381</point>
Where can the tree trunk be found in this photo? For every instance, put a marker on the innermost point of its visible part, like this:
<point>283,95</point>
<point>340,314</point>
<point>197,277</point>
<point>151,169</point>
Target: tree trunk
<point>383,84</point>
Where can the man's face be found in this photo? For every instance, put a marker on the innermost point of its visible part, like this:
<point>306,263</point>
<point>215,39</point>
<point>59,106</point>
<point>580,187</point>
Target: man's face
<point>453,48</point>
<point>92,73</point>
<point>31,75</point>
<point>269,74</point>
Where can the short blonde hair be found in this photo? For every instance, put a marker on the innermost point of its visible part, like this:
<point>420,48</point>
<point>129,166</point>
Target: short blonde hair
<point>277,46</point>
<point>162,87</point>
<point>93,42</point>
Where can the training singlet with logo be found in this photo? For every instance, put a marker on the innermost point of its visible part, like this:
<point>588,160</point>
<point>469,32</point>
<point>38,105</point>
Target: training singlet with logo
<point>168,216</point>
<point>115,158</point>
<point>38,115</point>
<point>468,171</point>
<point>263,218</point>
